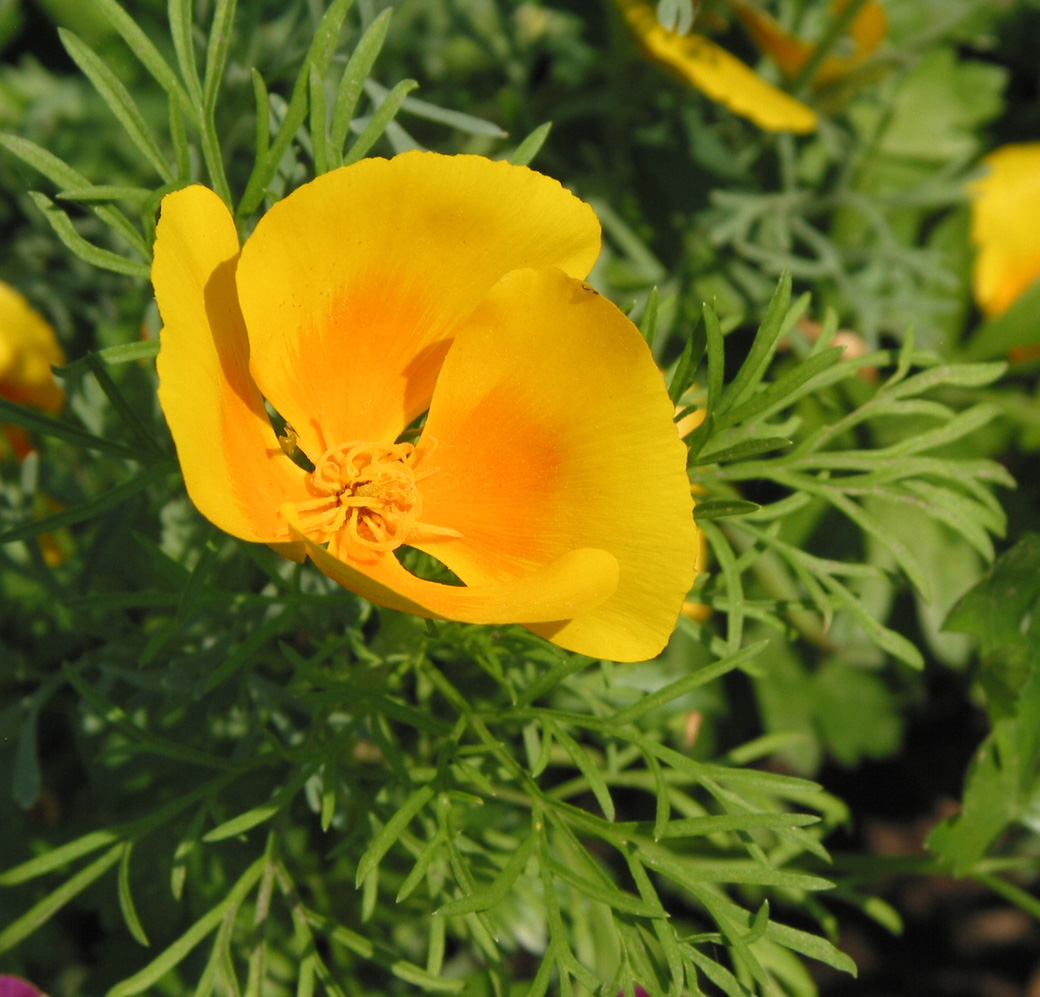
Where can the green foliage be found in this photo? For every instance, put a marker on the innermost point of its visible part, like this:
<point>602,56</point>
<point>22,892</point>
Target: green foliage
<point>261,783</point>
<point>1001,613</point>
<point>1003,783</point>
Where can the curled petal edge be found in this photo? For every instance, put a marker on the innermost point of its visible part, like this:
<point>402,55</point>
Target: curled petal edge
<point>572,584</point>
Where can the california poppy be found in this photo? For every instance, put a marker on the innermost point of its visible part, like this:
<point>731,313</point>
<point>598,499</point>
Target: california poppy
<point>1005,226</point>
<point>28,348</point>
<point>709,67</point>
<point>547,473</point>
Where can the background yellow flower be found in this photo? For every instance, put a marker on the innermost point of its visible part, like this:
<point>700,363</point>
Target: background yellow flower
<point>1005,226</point>
<point>28,348</point>
<point>698,60</point>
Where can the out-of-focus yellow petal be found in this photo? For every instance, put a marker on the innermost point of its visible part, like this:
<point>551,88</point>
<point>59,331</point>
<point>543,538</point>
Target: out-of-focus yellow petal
<point>551,431</point>
<point>697,611</point>
<point>1005,226</point>
<point>28,348</point>
<point>790,53</point>
<point>722,76</point>
<point>689,422</point>
<point>234,468</point>
<point>573,584</point>
<point>351,287</point>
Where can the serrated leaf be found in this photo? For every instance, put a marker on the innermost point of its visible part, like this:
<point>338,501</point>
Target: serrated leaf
<point>1002,612</point>
<point>856,713</point>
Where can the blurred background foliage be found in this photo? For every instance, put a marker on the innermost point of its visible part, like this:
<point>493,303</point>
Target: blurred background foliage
<point>867,617</point>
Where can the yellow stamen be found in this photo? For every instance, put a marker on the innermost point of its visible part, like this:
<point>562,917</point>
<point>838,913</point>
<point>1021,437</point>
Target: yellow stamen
<point>367,502</point>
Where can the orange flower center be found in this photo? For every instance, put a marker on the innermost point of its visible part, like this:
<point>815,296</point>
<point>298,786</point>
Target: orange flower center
<point>367,499</point>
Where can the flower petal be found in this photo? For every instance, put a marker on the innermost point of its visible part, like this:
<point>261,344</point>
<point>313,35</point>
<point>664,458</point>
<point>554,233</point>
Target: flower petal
<point>234,468</point>
<point>790,53</point>
<point>712,69</point>
<point>28,347</point>
<point>570,585</point>
<point>351,286</point>
<point>550,431</point>
<point>1004,227</point>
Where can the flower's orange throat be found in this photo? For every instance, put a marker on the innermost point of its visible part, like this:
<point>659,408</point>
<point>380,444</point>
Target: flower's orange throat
<point>367,502</point>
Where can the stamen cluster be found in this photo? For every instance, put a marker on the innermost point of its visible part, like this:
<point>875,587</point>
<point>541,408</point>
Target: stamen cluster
<point>367,499</point>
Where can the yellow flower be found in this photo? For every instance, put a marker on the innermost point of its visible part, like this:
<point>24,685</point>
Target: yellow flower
<point>790,53</point>
<point>1005,226</point>
<point>28,348</point>
<point>547,476</point>
<point>723,77</point>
